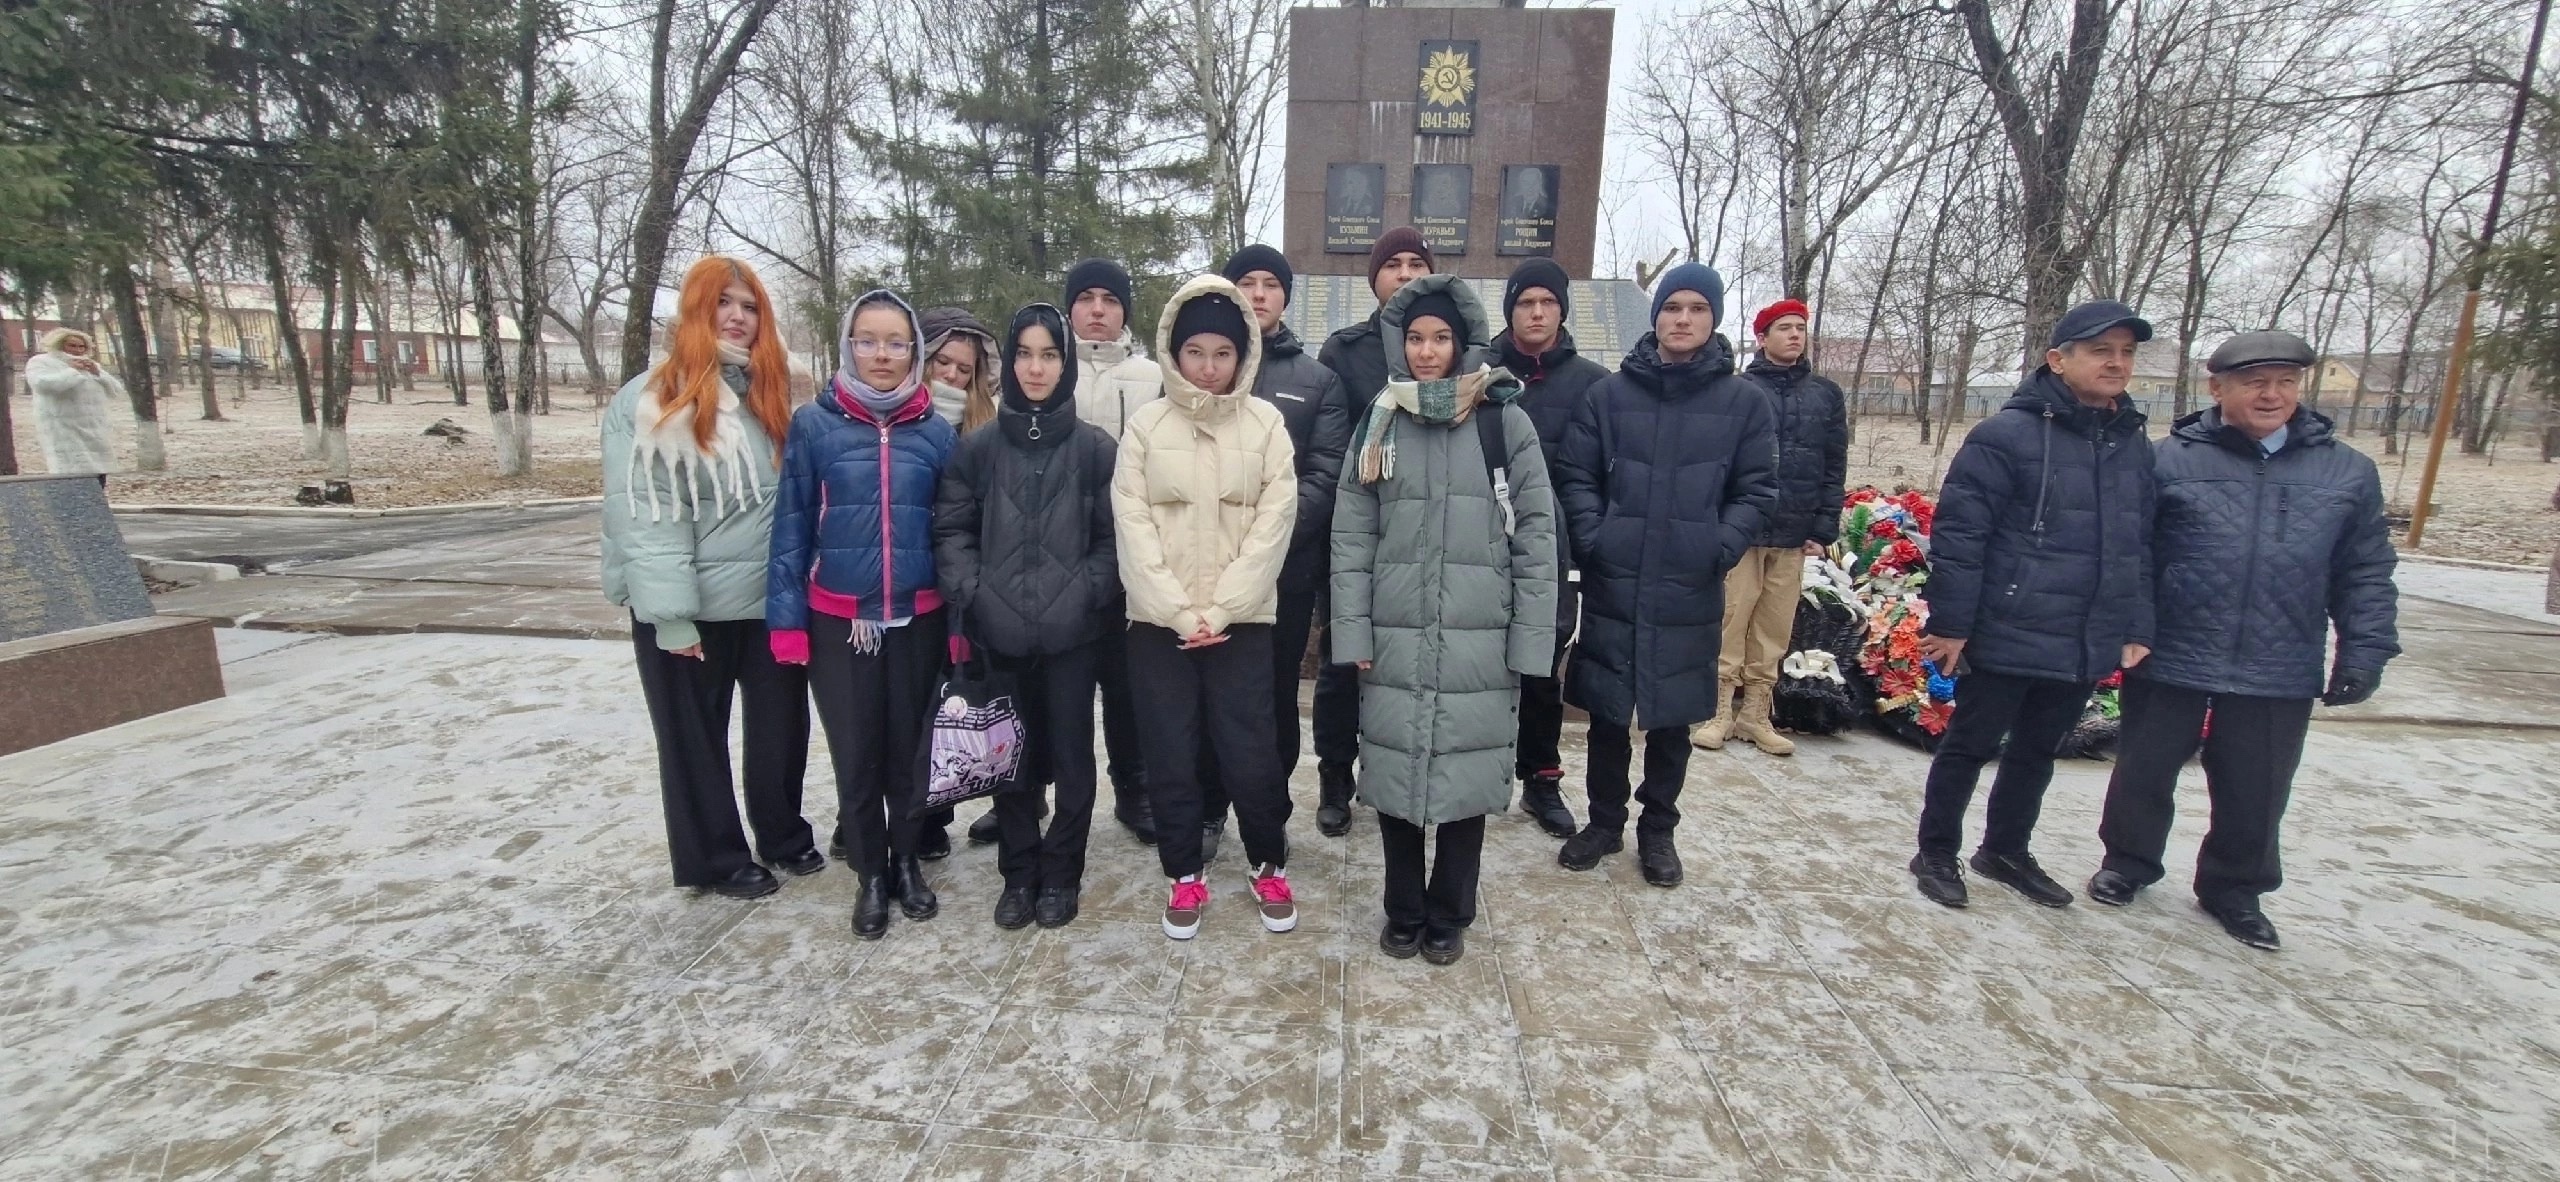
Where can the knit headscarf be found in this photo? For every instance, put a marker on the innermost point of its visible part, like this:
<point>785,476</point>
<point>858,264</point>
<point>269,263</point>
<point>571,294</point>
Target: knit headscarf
<point>1474,381</point>
<point>53,340</point>
<point>849,387</point>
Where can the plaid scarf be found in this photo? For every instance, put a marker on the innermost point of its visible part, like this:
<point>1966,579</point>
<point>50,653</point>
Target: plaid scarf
<point>1440,402</point>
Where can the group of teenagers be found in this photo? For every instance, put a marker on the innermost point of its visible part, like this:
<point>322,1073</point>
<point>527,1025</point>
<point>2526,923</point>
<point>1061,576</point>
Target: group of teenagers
<point>1490,527</point>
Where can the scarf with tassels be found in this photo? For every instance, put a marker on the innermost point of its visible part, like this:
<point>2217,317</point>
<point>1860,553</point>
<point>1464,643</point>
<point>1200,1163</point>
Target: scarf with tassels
<point>726,470</point>
<point>1440,401</point>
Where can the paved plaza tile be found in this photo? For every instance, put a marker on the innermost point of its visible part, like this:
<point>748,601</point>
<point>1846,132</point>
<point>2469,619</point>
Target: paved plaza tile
<point>398,908</point>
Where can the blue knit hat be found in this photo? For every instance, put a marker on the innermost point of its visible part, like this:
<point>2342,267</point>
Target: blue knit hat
<point>1697,277</point>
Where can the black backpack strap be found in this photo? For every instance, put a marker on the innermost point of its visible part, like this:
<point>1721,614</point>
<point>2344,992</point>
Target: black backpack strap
<point>1497,461</point>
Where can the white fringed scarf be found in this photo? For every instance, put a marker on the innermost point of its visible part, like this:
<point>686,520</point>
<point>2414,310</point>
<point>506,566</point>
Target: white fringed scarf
<point>727,468</point>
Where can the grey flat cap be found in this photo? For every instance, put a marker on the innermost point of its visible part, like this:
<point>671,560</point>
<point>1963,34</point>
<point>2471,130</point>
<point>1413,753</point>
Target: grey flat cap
<point>2270,347</point>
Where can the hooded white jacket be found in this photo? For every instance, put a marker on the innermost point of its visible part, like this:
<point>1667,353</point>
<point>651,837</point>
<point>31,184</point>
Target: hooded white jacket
<point>1113,380</point>
<point>1205,494</point>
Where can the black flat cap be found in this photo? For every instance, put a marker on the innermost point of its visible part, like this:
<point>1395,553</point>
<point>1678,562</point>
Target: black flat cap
<point>2270,347</point>
<point>2091,320</point>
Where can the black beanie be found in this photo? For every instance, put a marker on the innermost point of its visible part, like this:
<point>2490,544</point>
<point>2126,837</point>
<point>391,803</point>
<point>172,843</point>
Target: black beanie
<point>1258,257</point>
<point>1438,304</point>
<point>1102,273</point>
<point>1211,313</point>
<point>1537,272</point>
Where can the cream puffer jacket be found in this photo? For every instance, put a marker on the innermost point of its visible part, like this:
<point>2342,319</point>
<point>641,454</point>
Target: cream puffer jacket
<point>1113,379</point>
<point>1205,494</point>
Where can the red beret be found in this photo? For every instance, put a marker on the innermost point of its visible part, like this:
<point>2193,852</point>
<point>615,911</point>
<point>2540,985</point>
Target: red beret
<point>1776,312</point>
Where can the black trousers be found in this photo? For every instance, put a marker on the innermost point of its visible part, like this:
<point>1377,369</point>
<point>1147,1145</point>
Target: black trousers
<point>2249,762</point>
<point>1213,695</point>
<point>1447,902</point>
<point>1666,770</point>
<point>1297,618</point>
<point>2035,715</point>
<point>689,709</point>
<point>1541,726</point>
<point>1055,695</point>
<point>1124,752</point>
<point>1337,710</point>
<point>873,706</point>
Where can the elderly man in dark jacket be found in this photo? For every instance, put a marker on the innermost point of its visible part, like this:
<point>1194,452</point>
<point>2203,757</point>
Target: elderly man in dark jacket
<point>1667,473</point>
<point>2039,585</point>
<point>1310,400</point>
<point>1760,594</point>
<point>1536,347</point>
<point>2269,535</point>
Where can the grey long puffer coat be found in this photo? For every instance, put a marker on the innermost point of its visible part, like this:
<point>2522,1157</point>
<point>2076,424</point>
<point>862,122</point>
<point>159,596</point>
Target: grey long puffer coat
<point>1450,610</point>
<point>2260,555</point>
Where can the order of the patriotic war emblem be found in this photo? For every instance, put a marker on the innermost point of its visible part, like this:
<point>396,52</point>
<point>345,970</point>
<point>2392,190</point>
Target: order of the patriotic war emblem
<point>1446,104</point>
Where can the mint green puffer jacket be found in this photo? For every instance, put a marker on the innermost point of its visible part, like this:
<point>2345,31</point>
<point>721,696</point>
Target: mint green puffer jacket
<point>687,532</point>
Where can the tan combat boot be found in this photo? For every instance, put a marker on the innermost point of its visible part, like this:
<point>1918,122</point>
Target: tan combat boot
<point>1711,733</point>
<point>1753,726</point>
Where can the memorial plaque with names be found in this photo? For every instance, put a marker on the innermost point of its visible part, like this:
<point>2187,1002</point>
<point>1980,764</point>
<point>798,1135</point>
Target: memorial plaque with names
<point>1442,197</point>
<point>63,564</point>
<point>1528,215</point>
<point>1355,207</point>
<point>1445,99</point>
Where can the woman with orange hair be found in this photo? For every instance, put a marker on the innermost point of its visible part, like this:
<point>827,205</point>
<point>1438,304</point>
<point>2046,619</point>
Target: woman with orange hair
<point>692,454</point>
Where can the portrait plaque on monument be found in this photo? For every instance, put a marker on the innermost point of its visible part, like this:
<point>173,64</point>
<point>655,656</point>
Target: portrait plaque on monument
<point>1442,197</point>
<point>1445,101</point>
<point>1355,207</point>
<point>1528,225</point>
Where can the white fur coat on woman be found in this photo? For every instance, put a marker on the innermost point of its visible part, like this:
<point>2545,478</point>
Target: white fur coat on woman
<point>75,414</point>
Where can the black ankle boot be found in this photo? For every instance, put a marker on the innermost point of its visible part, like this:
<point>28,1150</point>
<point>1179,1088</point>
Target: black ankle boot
<point>1542,797</point>
<point>871,908</point>
<point>915,896</point>
<point>1333,799</point>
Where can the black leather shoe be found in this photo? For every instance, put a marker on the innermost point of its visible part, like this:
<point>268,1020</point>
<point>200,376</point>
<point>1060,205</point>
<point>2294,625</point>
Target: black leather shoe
<point>2020,872</point>
<point>915,895</point>
<point>1659,859</point>
<point>986,830</point>
<point>1542,797</point>
<point>837,850</point>
<point>1139,818</point>
<point>871,908</point>
<point>1940,880</point>
<point>1057,906</point>
<point>933,843</point>
<point>2245,922</point>
<point>2112,888</point>
<point>1583,850</point>
<point>1333,798</point>
<point>802,864</point>
<point>1399,940</point>
<point>1013,908</point>
<point>1210,832</point>
<point>747,882</point>
<point>1443,946</point>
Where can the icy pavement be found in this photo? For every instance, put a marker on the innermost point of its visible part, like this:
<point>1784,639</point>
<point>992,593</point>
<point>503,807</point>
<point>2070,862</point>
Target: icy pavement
<point>398,908</point>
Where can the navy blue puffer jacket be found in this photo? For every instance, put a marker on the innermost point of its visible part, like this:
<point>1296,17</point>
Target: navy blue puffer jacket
<point>1665,476</point>
<point>2040,556</point>
<point>1813,453</point>
<point>2259,556</point>
<point>853,517</point>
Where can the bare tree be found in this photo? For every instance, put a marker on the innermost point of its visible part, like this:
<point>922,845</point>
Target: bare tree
<point>1233,73</point>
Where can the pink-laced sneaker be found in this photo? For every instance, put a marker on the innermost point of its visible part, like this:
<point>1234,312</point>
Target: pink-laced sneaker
<point>1182,913</point>
<point>1271,887</point>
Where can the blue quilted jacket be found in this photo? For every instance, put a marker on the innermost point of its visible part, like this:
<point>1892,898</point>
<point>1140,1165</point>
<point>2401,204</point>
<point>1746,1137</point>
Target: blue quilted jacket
<point>853,515</point>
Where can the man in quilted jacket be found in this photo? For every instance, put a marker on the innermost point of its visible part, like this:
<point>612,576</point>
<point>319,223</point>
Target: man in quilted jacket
<point>2269,535</point>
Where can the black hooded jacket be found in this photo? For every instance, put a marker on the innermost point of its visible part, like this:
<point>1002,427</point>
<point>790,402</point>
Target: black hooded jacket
<point>1666,474</point>
<point>2260,556</point>
<point>1022,526</point>
<point>1813,453</point>
<point>2040,557</point>
<point>1357,354</point>
<point>1311,402</point>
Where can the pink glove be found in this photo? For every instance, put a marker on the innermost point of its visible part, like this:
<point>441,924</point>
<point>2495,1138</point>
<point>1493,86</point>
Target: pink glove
<point>790,645</point>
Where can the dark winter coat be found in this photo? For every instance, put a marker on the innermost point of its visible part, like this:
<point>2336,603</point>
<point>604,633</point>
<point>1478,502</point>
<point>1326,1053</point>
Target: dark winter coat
<point>1311,401</point>
<point>2040,557</point>
<point>854,511</point>
<point>2259,556</point>
<point>1022,528</point>
<point>1554,385</point>
<point>1666,475</point>
<point>1358,355</point>
<point>1450,609</point>
<point>1813,453</point>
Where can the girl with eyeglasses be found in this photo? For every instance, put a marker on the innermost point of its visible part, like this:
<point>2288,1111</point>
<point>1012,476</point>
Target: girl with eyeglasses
<point>850,590</point>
